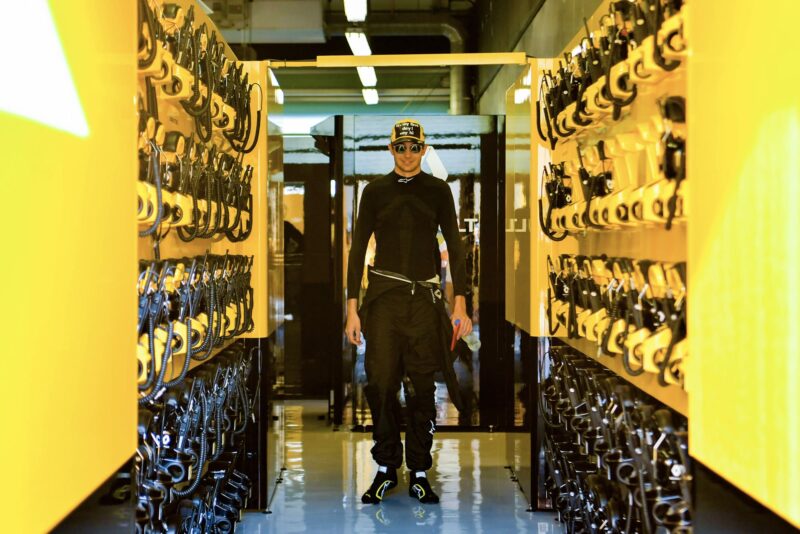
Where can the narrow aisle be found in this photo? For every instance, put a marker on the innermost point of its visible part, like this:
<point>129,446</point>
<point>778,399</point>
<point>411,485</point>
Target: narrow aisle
<point>327,471</point>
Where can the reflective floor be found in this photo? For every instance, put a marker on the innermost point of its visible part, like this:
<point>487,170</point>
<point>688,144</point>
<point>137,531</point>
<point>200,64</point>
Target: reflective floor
<point>326,472</point>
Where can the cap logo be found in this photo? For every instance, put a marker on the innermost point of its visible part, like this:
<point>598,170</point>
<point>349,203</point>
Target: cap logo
<point>408,129</point>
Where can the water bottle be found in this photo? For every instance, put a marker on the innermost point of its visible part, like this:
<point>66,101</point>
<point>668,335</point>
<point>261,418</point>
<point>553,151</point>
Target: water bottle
<point>471,339</point>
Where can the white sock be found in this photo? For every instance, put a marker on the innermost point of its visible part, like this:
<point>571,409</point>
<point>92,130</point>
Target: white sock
<point>420,474</point>
<point>383,469</point>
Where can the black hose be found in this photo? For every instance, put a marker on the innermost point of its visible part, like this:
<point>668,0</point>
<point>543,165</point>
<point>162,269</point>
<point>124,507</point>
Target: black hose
<point>245,407</point>
<point>258,125</point>
<point>165,358</point>
<point>545,229</point>
<point>201,461</point>
<point>151,369</point>
<point>626,363</point>
<point>208,342</point>
<point>146,19</point>
<point>187,235</point>
<point>157,178</point>
<point>218,435</point>
<point>187,360</point>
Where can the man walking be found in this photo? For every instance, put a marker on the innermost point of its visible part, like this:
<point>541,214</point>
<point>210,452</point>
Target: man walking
<point>405,321</point>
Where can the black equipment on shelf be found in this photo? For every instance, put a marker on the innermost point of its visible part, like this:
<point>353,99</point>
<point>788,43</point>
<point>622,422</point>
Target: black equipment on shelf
<point>189,307</point>
<point>634,309</point>
<point>191,443</point>
<point>198,183</point>
<point>616,460</point>
<point>558,194</point>
<point>565,103</point>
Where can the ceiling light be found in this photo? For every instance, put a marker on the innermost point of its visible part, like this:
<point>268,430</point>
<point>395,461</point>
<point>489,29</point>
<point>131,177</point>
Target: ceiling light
<point>370,96</point>
<point>367,75</point>
<point>355,10</point>
<point>526,80</point>
<point>296,124</point>
<point>358,43</point>
<point>522,95</point>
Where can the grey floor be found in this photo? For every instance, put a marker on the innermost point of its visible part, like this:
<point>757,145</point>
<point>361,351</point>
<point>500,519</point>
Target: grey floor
<point>326,472</point>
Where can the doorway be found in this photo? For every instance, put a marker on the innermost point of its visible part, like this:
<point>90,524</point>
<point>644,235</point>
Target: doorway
<point>467,154</point>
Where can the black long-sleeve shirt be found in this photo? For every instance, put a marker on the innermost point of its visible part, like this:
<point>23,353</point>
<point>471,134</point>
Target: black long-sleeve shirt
<point>405,216</point>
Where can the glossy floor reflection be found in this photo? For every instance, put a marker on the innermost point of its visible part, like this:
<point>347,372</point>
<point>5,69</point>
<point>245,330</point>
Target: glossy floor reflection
<point>326,472</point>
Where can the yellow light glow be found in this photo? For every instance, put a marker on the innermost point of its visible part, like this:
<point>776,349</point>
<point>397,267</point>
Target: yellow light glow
<point>52,101</point>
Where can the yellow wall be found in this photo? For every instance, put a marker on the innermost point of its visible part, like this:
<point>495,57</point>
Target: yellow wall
<point>69,381</point>
<point>744,302</point>
<point>68,317</point>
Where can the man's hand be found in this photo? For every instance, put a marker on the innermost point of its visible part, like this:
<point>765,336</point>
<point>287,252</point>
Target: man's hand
<point>460,314</point>
<point>352,328</point>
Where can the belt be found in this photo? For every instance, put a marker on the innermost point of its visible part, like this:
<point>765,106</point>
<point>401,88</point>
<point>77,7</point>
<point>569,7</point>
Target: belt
<point>430,283</point>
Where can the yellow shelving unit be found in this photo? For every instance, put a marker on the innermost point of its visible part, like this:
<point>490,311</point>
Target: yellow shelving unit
<point>267,163</point>
<point>742,385</point>
<point>527,248</point>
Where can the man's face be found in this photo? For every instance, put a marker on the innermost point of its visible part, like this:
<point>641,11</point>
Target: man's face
<point>407,156</point>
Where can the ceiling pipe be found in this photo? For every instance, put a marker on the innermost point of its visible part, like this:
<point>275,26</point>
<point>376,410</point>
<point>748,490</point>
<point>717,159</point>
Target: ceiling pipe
<point>419,24</point>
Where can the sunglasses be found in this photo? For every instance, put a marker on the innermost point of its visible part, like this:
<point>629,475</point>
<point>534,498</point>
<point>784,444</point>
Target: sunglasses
<point>415,148</point>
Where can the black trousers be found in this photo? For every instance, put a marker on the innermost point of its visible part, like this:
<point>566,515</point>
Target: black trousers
<point>402,334</point>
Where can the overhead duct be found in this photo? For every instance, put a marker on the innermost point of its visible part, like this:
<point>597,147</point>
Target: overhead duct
<point>418,24</point>
<point>270,21</point>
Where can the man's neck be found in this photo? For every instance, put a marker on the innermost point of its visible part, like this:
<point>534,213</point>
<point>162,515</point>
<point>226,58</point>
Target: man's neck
<point>404,174</point>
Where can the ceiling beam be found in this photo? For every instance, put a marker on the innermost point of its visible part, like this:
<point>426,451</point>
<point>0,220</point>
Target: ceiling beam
<point>320,93</point>
<point>408,60</point>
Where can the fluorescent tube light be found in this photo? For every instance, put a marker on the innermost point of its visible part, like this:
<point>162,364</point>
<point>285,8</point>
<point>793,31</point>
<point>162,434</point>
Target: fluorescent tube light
<point>526,80</point>
<point>355,10</point>
<point>297,124</point>
<point>358,43</point>
<point>370,96</point>
<point>367,75</point>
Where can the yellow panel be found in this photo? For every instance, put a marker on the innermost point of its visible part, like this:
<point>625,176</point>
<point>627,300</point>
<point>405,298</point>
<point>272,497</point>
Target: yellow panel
<point>744,135</point>
<point>274,225</point>
<point>271,216</point>
<point>640,242</point>
<point>256,244</point>
<point>517,218</point>
<point>69,380</point>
